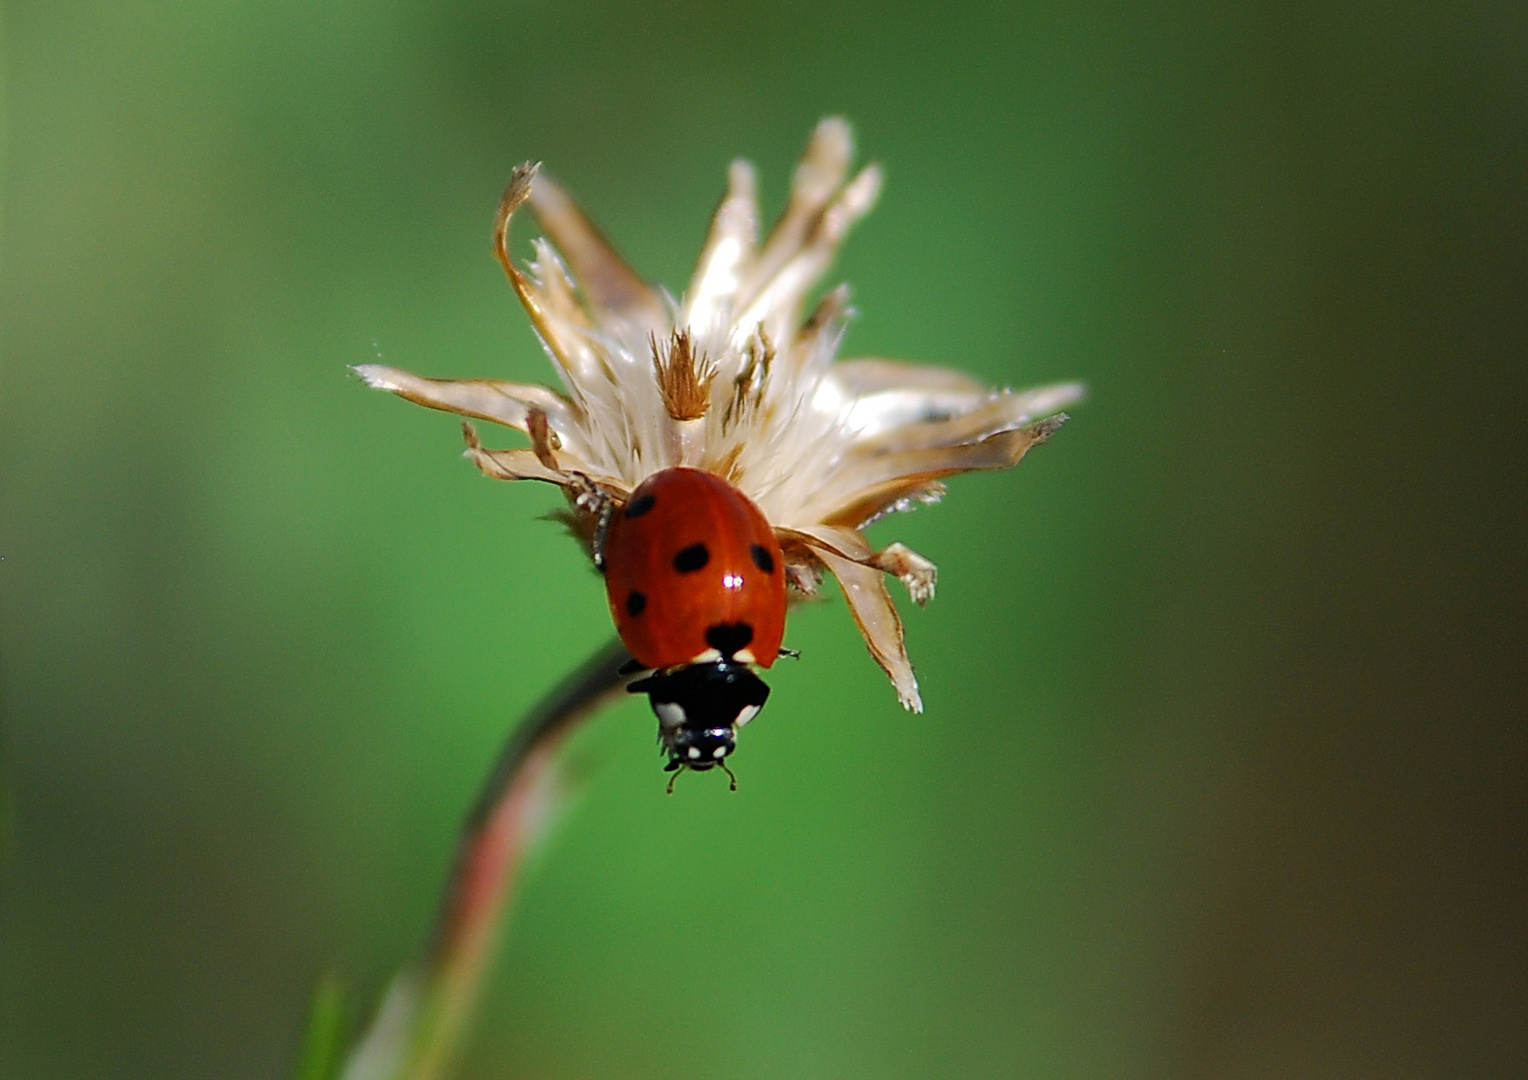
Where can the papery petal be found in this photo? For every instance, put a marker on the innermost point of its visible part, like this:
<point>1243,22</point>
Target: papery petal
<point>567,471</point>
<point>727,256</point>
<point>538,304</point>
<point>903,563</point>
<point>566,318</point>
<point>865,592</point>
<point>484,399</point>
<point>515,465</point>
<point>871,396</point>
<point>610,286</point>
<point>778,297</point>
<point>820,173</point>
<point>862,486</point>
<point>873,375</point>
<point>996,413</point>
<point>892,496</point>
<point>900,561</point>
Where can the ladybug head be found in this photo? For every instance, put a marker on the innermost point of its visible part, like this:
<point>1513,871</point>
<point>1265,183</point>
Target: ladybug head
<point>699,709</point>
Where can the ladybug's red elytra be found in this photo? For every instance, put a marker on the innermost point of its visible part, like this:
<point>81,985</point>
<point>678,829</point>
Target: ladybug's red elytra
<point>696,583</point>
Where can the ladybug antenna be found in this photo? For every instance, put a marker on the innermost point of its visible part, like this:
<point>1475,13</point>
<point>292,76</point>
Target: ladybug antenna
<point>730,775</point>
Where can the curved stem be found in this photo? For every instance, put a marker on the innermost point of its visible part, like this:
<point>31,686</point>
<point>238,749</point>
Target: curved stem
<point>428,1004</point>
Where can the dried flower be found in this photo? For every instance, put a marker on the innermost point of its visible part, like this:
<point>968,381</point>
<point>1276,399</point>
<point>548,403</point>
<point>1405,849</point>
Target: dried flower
<point>730,379</point>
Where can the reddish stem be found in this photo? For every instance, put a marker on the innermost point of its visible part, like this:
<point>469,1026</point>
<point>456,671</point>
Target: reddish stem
<point>417,1026</point>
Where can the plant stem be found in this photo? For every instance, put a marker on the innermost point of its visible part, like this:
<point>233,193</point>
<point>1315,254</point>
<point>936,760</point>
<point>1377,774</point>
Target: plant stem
<point>428,1005</point>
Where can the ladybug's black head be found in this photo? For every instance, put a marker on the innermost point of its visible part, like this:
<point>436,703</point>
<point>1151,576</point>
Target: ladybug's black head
<point>700,707</point>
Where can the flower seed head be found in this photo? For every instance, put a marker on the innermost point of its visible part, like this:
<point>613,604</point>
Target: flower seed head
<point>739,378</point>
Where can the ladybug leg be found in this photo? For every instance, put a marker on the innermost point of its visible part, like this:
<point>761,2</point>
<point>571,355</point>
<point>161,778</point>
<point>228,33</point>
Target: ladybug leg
<point>601,530</point>
<point>794,654</point>
<point>594,501</point>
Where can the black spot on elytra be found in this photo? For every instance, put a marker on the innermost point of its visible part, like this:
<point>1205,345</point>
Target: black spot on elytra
<point>640,505</point>
<point>692,558</point>
<point>762,558</point>
<point>728,638</point>
<point>636,603</point>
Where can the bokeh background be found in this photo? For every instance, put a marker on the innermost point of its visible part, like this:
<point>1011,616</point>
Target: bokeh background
<point>1222,773</point>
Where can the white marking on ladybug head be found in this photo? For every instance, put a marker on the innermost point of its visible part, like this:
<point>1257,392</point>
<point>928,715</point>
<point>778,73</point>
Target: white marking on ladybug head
<point>747,713</point>
<point>706,657</point>
<point>694,752</point>
<point>670,713</point>
<point>720,751</point>
<point>745,655</point>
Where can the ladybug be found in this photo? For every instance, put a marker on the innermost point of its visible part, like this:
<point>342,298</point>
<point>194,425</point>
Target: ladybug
<point>696,583</point>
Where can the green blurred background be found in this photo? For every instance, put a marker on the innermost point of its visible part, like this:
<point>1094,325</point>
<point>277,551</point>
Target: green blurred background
<point>1222,770</point>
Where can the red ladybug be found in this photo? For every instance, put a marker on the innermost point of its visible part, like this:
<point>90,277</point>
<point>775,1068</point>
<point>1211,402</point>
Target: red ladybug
<point>696,583</point>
